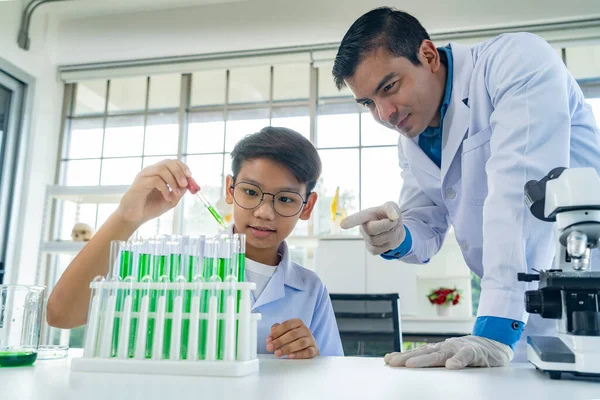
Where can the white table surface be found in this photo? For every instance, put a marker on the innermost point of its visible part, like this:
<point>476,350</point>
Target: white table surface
<point>319,378</point>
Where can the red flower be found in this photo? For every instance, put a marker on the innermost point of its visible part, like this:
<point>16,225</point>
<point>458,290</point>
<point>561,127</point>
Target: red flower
<point>456,299</point>
<point>442,299</point>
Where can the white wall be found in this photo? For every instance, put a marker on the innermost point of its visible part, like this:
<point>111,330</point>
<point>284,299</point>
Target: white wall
<point>345,266</point>
<point>256,24</point>
<point>39,62</point>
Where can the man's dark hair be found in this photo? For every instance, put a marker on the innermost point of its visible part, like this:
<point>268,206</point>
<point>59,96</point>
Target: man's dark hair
<point>284,146</point>
<point>396,31</point>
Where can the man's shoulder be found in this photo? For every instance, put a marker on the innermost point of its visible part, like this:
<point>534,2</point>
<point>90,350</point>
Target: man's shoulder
<point>507,45</point>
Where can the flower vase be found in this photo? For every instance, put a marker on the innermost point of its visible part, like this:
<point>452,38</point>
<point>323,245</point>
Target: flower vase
<point>443,310</point>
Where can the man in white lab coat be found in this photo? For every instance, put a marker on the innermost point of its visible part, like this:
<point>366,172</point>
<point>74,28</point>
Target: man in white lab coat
<point>476,124</point>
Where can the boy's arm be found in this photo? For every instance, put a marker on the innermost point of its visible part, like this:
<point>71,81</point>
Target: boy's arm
<point>324,327</point>
<point>69,300</point>
<point>156,189</point>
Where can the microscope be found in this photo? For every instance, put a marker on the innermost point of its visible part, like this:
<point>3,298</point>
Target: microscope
<point>568,292</point>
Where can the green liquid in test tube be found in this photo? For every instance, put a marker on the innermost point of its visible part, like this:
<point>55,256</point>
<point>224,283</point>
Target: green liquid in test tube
<point>190,262</point>
<point>193,267</point>
<point>174,262</point>
<point>194,188</point>
<point>159,262</point>
<point>143,259</point>
<point>223,266</point>
<point>125,270</point>
<point>241,272</point>
<point>207,267</point>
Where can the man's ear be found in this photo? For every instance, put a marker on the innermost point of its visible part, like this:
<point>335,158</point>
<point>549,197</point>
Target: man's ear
<point>429,55</point>
<point>309,206</point>
<point>228,189</point>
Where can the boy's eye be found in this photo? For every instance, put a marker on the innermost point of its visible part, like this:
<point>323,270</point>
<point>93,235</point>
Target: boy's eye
<point>368,103</point>
<point>285,199</point>
<point>389,87</point>
<point>251,192</point>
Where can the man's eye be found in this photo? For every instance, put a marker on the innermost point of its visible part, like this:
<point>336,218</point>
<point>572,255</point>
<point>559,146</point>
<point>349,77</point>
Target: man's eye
<point>389,87</point>
<point>367,103</point>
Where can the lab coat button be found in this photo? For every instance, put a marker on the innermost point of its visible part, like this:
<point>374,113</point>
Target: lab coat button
<point>450,194</point>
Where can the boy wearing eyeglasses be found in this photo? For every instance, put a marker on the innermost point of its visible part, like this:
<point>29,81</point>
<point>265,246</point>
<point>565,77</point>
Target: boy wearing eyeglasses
<point>274,173</point>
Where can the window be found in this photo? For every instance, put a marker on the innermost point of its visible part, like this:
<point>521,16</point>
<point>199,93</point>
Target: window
<point>119,126</point>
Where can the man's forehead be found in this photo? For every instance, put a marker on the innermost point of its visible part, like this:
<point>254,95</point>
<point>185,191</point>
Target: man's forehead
<point>370,72</point>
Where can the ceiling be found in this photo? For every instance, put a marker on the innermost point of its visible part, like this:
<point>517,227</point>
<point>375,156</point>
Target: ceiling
<point>75,9</point>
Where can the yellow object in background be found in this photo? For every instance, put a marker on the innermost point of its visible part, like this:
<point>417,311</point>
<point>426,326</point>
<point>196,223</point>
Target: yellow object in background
<point>226,210</point>
<point>334,204</point>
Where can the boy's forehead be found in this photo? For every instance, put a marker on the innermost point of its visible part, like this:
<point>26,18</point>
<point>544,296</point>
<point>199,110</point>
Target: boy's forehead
<point>269,175</point>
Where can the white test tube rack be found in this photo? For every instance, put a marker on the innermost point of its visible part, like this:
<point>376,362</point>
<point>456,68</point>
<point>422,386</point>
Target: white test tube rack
<point>207,351</point>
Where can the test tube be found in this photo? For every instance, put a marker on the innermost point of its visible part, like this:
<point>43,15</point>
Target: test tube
<point>158,345</point>
<point>94,322</point>
<point>212,333</point>
<point>244,348</point>
<point>193,250</point>
<point>156,269</point>
<point>224,269</point>
<point>119,269</point>
<point>123,348</point>
<point>210,247</point>
<point>172,245</point>
<point>194,331</point>
<point>143,345</point>
<point>139,269</point>
<point>230,300</point>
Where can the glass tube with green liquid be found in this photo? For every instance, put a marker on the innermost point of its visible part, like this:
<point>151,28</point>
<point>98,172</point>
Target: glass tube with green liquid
<point>193,254</point>
<point>121,259</point>
<point>159,270</point>
<point>173,252</point>
<point>223,268</point>
<point>194,188</point>
<point>210,247</point>
<point>241,263</point>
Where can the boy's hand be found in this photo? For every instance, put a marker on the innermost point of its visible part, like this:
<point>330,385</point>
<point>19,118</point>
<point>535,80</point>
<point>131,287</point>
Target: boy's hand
<point>155,190</point>
<point>292,338</point>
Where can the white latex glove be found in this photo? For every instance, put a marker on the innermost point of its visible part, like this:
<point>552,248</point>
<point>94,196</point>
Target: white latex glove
<point>381,227</point>
<point>454,353</point>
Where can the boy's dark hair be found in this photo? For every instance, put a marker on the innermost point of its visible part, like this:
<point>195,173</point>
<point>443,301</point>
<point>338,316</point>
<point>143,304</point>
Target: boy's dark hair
<point>284,146</point>
<point>398,32</point>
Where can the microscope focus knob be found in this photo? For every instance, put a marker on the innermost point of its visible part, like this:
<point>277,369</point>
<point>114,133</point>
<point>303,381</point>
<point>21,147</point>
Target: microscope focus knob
<point>547,303</point>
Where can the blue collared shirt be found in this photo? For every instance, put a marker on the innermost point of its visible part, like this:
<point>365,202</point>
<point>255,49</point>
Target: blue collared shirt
<point>430,141</point>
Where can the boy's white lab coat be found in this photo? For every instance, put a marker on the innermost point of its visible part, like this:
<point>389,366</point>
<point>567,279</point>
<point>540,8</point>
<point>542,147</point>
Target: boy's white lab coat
<point>515,114</point>
<point>296,292</point>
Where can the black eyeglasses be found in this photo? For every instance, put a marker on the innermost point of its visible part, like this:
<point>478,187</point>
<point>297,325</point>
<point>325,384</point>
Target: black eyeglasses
<point>285,203</point>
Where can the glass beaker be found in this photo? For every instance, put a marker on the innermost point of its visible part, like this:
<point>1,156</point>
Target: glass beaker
<point>20,320</point>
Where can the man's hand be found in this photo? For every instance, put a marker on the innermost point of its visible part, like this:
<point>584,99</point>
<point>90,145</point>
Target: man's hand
<point>381,227</point>
<point>454,353</point>
<point>292,338</point>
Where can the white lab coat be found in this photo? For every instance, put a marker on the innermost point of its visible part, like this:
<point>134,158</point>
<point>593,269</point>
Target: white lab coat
<point>515,113</point>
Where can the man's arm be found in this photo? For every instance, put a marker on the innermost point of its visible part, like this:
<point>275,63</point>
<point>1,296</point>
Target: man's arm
<point>528,87</point>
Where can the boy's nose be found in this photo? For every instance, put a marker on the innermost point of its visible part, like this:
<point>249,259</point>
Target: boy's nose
<point>265,211</point>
